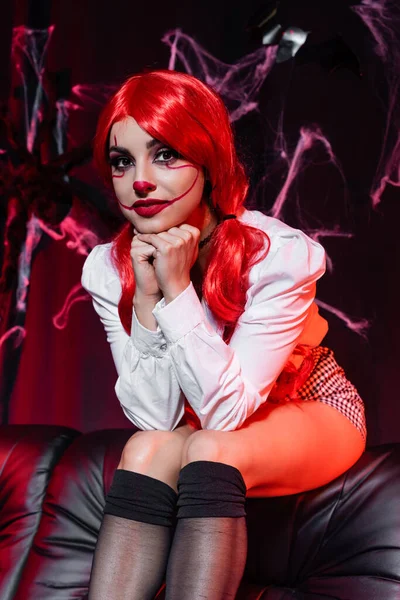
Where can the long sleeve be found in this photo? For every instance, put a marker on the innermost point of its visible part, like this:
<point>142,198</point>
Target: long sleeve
<point>225,384</point>
<point>147,387</point>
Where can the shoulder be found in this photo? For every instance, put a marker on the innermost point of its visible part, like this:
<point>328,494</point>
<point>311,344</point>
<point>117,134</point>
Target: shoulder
<point>99,275</point>
<point>292,254</point>
<point>278,231</point>
<point>99,258</point>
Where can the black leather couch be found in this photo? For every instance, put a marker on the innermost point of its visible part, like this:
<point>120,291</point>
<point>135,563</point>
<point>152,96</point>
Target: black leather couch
<point>339,541</point>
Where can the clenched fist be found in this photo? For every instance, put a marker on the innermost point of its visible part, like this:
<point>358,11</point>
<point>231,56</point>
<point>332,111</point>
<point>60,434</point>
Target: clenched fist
<point>144,272</point>
<point>175,251</point>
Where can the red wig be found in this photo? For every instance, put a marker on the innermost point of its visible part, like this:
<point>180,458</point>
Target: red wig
<point>188,116</point>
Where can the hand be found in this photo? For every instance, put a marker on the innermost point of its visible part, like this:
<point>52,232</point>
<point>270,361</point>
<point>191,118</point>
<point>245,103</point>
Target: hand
<point>175,251</point>
<point>145,277</point>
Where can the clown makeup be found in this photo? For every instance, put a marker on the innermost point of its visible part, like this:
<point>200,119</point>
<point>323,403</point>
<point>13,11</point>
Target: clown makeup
<point>156,188</point>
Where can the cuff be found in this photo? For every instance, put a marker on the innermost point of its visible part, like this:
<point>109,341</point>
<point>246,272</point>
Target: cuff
<point>147,341</point>
<point>180,316</point>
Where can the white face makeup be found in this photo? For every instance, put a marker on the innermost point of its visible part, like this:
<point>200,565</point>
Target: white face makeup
<point>148,172</point>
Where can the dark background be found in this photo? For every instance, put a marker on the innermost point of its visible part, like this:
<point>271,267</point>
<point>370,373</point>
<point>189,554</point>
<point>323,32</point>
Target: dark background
<point>66,376</point>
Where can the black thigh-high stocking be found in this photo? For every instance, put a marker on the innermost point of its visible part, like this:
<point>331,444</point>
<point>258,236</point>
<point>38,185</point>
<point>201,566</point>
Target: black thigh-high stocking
<point>209,549</point>
<point>134,540</point>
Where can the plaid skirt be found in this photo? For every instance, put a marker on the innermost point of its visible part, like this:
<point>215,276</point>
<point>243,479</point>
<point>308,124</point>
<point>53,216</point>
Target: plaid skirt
<point>321,379</point>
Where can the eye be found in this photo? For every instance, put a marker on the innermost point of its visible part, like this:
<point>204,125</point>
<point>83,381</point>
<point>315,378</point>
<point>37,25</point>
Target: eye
<point>166,155</point>
<point>120,162</point>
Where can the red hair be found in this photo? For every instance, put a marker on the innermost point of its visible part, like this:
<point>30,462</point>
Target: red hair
<point>187,115</point>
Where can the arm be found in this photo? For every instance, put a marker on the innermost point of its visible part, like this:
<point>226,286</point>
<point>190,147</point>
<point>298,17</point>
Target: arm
<point>146,387</point>
<point>143,309</point>
<point>226,384</point>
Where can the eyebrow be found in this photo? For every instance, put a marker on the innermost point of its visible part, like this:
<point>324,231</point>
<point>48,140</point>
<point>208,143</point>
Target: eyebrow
<point>153,142</point>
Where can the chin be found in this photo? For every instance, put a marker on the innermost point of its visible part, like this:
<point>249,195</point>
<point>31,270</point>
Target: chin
<point>153,226</point>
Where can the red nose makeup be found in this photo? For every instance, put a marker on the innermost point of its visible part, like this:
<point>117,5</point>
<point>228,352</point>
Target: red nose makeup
<point>143,187</point>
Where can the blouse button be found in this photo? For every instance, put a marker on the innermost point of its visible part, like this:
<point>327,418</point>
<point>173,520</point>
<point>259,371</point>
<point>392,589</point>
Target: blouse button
<point>163,347</point>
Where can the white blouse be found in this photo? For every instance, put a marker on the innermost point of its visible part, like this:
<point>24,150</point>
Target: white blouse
<point>187,357</point>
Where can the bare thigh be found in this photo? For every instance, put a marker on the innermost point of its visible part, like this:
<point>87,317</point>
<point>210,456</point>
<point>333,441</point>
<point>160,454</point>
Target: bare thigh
<point>156,454</point>
<point>284,448</point>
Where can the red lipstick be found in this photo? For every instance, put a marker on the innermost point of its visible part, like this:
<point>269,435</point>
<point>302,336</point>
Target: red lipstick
<point>148,210</point>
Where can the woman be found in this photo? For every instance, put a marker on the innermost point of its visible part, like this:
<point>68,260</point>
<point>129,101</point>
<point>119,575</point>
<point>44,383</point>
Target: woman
<point>209,310</point>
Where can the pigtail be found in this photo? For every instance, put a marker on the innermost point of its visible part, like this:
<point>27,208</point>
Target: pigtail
<point>235,248</point>
<point>121,258</point>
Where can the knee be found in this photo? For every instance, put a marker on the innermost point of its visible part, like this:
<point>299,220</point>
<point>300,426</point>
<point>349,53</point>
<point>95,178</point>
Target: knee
<point>204,445</point>
<point>143,448</point>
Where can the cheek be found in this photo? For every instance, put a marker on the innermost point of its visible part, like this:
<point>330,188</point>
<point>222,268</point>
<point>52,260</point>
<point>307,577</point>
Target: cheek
<point>180,178</point>
<point>184,181</point>
<point>115,176</point>
<point>121,184</point>
<point>197,192</point>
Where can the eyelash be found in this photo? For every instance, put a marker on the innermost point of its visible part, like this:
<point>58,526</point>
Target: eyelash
<point>115,160</point>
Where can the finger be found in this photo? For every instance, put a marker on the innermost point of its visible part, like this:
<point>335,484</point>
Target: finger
<point>181,233</point>
<point>160,241</point>
<point>138,243</point>
<point>193,230</point>
<point>173,239</point>
<point>141,249</point>
<point>144,255</point>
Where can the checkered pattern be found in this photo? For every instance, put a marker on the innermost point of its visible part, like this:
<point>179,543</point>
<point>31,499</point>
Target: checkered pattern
<point>327,383</point>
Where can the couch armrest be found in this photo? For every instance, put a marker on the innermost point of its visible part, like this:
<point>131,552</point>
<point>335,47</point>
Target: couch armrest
<point>28,454</point>
<point>60,559</point>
